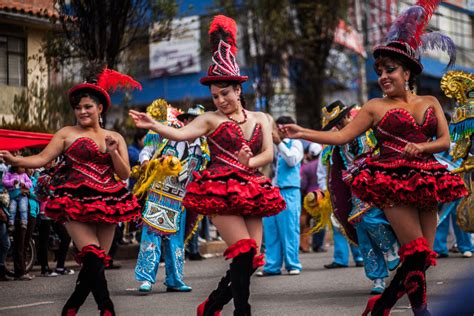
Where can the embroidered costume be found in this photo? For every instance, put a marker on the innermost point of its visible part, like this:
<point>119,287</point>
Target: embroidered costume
<point>84,188</point>
<point>389,179</point>
<point>460,85</point>
<point>227,186</point>
<point>164,218</point>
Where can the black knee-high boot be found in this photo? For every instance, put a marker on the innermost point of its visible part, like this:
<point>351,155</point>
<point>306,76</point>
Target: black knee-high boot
<point>98,283</point>
<point>223,293</point>
<point>78,297</point>
<point>91,279</point>
<point>380,305</point>
<point>240,271</point>
<point>415,283</point>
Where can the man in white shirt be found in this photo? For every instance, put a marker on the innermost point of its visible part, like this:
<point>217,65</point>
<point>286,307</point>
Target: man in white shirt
<point>282,231</point>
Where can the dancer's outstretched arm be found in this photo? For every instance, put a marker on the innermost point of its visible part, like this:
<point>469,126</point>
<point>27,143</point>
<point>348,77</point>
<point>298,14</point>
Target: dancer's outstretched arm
<point>361,123</point>
<point>198,127</point>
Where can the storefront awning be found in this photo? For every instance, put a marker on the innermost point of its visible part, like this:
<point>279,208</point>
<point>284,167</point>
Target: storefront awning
<point>16,140</point>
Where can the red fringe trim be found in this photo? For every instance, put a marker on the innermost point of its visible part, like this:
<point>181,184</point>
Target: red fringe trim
<point>242,246</point>
<point>96,211</point>
<point>418,245</point>
<point>386,188</point>
<point>258,261</point>
<point>100,253</point>
<point>231,192</point>
<point>431,258</point>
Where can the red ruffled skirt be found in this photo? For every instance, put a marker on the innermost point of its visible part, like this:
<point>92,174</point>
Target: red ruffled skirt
<point>85,204</point>
<point>405,182</point>
<point>229,191</point>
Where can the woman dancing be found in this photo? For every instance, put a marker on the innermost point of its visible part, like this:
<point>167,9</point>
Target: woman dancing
<point>230,190</point>
<point>403,179</point>
<point>85,194</point>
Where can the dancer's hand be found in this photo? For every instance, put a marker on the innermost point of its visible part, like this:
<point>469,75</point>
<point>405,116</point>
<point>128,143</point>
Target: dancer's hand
<point>244,155</point>
<point>111,144</point>
<point>291,130</point>
<point>7,157</point>
<point>413,150</point>
<point>142,120</point>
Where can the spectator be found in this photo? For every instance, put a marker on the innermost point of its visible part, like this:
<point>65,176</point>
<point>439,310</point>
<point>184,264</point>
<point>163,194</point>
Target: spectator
<point>4,239</point>
<point>309,182</point>
<point>18,184</point>
<point>281,231</point>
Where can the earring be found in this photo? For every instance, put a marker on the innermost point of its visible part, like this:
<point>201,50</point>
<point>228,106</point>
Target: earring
<point>384,95</point>
<point>407,86</point>
<point>101,121</point>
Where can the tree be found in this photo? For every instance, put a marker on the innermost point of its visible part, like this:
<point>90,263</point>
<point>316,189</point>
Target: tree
<point>101,31</point>
<point>317,21</point>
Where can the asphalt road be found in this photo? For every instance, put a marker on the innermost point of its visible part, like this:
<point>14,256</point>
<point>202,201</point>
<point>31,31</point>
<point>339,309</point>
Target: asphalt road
<point>316,291</point>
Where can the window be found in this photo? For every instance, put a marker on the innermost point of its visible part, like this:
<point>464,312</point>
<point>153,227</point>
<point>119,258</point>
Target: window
<point>12,61</point>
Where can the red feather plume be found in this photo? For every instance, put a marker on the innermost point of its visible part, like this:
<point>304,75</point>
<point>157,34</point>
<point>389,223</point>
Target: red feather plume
<point>110,80</point>
<point>223,29</point>
<point>429,6</point>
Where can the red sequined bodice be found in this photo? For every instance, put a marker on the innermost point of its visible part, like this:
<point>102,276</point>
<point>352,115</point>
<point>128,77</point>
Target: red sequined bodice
<point>398,127</point>
<point>391,178</point>
<point>227,139</point>
<point>227,187</point>
<point>83,188</point>
<point>85,164</point>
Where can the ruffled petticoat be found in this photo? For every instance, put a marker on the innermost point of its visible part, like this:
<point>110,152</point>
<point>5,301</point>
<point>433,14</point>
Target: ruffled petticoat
<point>85,204</point>
<point>229,191</point>
<point>405,182</point>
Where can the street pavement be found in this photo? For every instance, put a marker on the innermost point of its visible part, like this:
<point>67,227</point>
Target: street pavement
<point>317,291</point>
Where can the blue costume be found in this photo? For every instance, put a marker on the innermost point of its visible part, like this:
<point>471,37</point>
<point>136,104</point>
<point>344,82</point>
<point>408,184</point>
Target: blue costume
<point>341,245</point>
<point>164,217</point>
<point>375,237</point>
<point>282,231</point>
<point>448,213</point>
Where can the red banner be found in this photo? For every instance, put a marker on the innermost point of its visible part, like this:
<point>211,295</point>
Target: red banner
<point>16,140</point>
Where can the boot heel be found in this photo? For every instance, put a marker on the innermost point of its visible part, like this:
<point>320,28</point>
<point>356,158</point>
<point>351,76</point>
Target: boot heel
<point>370,305</point>
<point>201,307</point>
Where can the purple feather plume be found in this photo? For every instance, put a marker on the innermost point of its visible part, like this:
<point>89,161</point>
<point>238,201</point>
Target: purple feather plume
<point>438,41</point>
<point>404,27</point>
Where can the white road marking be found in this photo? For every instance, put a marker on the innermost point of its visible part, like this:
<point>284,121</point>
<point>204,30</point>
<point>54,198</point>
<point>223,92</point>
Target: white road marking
<point>25,305</point>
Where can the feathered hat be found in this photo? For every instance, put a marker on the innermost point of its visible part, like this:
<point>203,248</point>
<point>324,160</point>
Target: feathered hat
<point>223,38</point>
<point>107,80</point>
<point>407,38</point>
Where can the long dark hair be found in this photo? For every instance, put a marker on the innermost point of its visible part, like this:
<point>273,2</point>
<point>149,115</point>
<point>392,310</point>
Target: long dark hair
<point>225,84</point>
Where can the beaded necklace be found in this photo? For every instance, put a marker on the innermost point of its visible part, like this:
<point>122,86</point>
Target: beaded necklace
<point>238,122</point>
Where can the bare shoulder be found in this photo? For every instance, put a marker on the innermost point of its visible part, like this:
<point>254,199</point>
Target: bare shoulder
<point>262,117</point>
<point>429,100</point>
<point>373,103</point>
<point>65,132</point>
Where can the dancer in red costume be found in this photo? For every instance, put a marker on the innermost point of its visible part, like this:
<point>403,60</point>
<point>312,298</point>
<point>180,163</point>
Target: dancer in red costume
<point>84,193</point>
<point>402,178</point>
<point>230,190</point>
